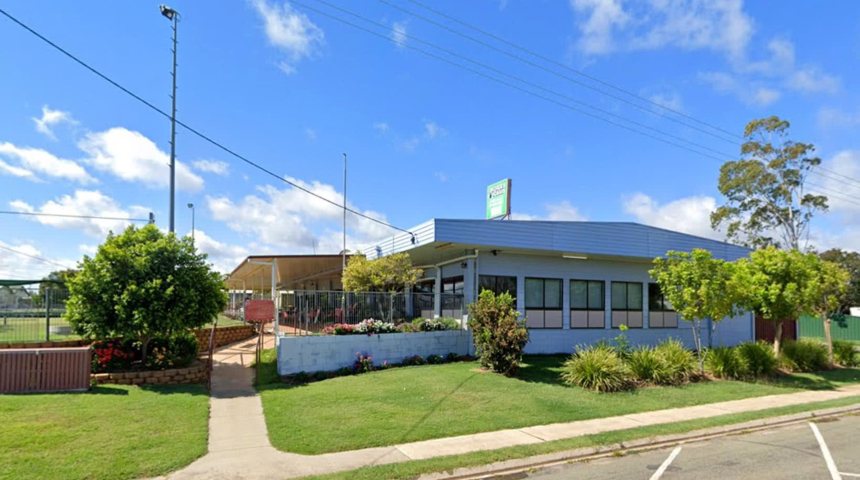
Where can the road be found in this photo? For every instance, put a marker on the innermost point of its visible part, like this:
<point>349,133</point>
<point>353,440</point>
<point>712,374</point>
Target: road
<point>792,452</point>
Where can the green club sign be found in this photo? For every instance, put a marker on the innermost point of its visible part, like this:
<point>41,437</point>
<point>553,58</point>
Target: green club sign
<point>499,199</point>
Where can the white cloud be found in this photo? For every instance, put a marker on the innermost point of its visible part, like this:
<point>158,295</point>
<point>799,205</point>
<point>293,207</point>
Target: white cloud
<point>211,166</point>
<point>291,219</point>
<point>223,256</point>
<point>812,80</point>
<point>133,157</point>
<point>609,26</point>
<point>764,96</point>
<point>842,193</point>
<point>441,176</point>
<point>87,249</point>
<point>311,134</point>
<point>381,127</point>
<point>83,202</point>
<point>671,100</point>
<point>431,131</point>
<point>689,214</point>
<point>23,265</point>
<point>17,171</point>
<point>832,117</point>
<point>51,118</point>
<point>560,211</point>
<point>751,93</point>
<point>398,34</point>
<point>290,31</point>
<point>36,160</point>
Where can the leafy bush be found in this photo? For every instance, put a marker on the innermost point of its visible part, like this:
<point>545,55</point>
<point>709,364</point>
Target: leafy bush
<point>498,332</point>
<point>435,359</point>
<point>804,355</point>
<point>143,284</point>
<point>759,358</point>
<point>409,327</point>
<point>414,360</point>
<point>363,363</point>
<point>371,326</point>
<point>646,365</point>
<point>844,354</point>
<point>726,362</point>
<point>597,368</point>
<point>436,324</point>
<point>679,363</point>
<point>178,351</point>
<point>113,356</point>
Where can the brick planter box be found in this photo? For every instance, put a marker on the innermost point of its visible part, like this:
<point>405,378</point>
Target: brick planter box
<point>223,336</point>
<point>196,373</point>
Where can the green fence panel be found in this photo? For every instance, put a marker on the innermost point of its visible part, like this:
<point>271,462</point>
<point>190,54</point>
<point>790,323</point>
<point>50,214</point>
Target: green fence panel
<point>812,327</point>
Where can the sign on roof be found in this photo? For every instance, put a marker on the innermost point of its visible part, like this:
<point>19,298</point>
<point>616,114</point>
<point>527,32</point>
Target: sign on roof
<point>499,199</point>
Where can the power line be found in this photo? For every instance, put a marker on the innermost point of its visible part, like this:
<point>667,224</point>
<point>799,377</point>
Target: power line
<point>515,86</point>
<point>41,259</point>
<point>561,65</point>
<point>64,215</point>
<point>193,130</point>
<point>692,146</point>
<point>568,78</point>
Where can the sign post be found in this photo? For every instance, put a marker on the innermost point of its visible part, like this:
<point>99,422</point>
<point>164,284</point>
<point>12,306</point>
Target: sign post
<point>499,199</point>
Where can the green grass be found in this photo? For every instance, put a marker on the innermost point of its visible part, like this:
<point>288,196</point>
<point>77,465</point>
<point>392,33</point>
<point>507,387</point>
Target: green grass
<point>225,321</point>
<point>413,469</point>
<point>111,432</point>
<point>417,403</point>
<point>32,329</point>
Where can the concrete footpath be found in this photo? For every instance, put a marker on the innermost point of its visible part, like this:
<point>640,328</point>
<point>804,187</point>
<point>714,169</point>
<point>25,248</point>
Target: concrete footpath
<point>239,445</point>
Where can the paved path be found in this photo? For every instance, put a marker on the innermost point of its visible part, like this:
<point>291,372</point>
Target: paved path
<point>239,445</point>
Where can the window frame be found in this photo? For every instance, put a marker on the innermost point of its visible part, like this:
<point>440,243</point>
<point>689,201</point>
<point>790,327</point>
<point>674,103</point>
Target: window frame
<point>542,309</point>
<point>662,310</point>
<point>495,288</point>
<point>627,297</point>
<point>588,307</point>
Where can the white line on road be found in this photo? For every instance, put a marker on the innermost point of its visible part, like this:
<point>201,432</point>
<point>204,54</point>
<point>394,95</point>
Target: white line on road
<point>846,474</point>
<point>828,459</point>
<point>660,471</point>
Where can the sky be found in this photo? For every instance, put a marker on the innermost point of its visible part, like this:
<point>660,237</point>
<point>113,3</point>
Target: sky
<point>430,105</point>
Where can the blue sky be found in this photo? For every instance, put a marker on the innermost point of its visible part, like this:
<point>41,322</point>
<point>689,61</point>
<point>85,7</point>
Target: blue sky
<point>292,89</point>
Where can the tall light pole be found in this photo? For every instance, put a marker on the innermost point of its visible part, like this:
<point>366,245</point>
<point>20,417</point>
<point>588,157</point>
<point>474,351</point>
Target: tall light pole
<point>173,16</point>
<point>343,253</point>
<point>191,206</point>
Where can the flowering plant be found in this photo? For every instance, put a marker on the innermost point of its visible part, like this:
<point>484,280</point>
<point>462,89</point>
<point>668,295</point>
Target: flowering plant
<point>111,355</point>
<point>371,326</point>
<point>363,363</point>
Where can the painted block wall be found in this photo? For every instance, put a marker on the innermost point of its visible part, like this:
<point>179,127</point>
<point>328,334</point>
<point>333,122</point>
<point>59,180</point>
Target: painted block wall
<point>332,352</point>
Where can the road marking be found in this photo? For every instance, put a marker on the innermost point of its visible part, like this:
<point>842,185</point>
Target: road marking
<point>846,474</point>
<point>828,459</point>
<point>660,471</point>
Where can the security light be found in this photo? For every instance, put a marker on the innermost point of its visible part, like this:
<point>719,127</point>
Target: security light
<point>168,12</point>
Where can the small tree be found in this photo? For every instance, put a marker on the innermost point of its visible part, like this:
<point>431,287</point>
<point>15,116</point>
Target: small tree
<point>765,190</point>
<point>498,332</point>
<point>826,292</point>
<point>850,262</point>
<point>388,274</point>
<point>698,286</point>
<point>143,284</point>
<point>777,285</point>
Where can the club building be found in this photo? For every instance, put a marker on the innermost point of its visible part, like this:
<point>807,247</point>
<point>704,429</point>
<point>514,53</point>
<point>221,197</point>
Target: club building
<point>574,282</point>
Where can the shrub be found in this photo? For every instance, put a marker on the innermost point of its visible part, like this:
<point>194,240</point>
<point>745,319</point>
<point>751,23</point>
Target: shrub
<point>498,332</point>
<point>371,326</point>
<point>178,351</point>
<point>597,368</point>
<point>338,329</point>
<point>434,359</point>
<point>112,356</point>
<point>414,360</point>
<point>680,363</point>
<point>408,327</point>
<point>363,363</point>
<point>759,358</point>
<point>844,353</point>
<point>726,362</point>
<point>452,357</point>
<point>804,355</point>
<point>646,365</point>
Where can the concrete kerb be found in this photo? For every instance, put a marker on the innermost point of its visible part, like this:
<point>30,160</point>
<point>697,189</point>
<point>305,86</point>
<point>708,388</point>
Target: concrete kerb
<point>510,467</point>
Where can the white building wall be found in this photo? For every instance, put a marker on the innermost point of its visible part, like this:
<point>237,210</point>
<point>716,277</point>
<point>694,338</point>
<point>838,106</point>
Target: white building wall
<point>730,331</point>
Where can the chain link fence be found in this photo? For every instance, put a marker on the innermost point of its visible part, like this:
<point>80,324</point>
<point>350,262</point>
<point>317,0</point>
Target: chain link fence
<point>33,311</point>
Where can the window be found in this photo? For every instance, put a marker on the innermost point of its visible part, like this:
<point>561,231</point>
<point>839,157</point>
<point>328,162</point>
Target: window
<point>453,285</point>
<point>661,314</point>
<point>543,303</point>
<point>587,303</point>
<point>627,304</point>
<point>498,284</point>
<point>452,296</point>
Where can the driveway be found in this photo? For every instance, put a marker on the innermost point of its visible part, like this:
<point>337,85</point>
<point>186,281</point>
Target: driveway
<point>793,452</point>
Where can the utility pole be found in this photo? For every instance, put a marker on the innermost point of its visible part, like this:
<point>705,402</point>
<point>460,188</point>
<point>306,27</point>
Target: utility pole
<point>173,16</point>
<point>344,215</point>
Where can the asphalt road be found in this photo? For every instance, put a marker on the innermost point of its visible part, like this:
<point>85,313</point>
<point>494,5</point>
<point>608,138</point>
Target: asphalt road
<point>791,452</point>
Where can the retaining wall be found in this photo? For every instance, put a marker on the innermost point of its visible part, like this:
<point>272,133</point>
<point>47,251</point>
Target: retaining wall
<point>196,373</point>
<point>223,336</point>
<point>331,352</point>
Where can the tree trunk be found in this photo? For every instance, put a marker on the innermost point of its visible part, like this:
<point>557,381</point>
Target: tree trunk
<point>697,341</point>
<point>828,340</point>
<point>777,338</point>
<point>144,341</point>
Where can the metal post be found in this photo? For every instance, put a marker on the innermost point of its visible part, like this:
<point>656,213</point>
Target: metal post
<point>173,131</point>
<point>48,314</point>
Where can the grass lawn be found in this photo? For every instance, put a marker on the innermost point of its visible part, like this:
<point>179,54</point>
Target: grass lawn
<point>418,403</point>
<point>415,468</point>
<point>225,321</point>
<point>111,432</point>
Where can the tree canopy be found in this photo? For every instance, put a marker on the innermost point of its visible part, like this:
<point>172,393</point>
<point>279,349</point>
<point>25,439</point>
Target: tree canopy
<point>767,200</point>
<point>143,284</point>
<point>850,262</point>
<point>698,286</point>
<point>826,293</point>
<point>388,274</point>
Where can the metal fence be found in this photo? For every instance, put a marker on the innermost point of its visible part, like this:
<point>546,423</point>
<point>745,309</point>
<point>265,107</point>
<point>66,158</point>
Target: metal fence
<point>33,312</point>
<point>304,311</point>
<point>844,328</point>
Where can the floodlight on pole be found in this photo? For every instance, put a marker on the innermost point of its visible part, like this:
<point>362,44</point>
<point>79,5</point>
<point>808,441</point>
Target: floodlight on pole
<point>191,206</point>
<point>173,16</point>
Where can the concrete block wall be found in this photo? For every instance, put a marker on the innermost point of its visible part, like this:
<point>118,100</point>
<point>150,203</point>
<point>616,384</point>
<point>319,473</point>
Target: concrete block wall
<point>332,352</point>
